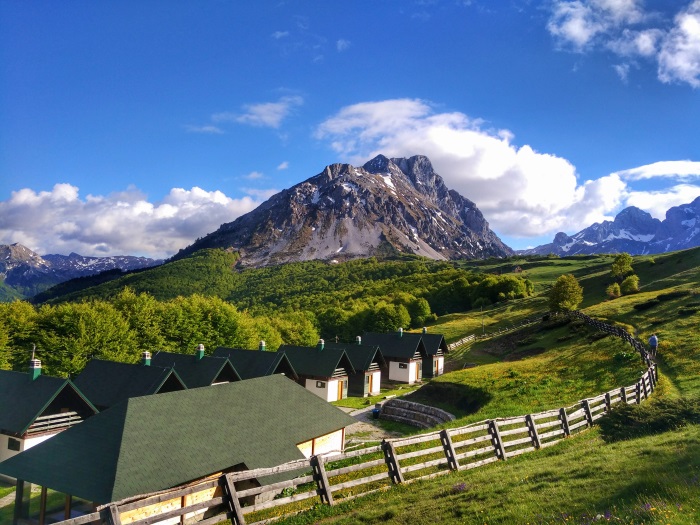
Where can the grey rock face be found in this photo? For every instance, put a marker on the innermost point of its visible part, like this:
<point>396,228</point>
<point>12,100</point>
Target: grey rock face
<point>387,205</point>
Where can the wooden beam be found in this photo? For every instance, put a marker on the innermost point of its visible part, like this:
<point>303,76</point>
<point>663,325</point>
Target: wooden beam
<point>42,507</point>
<point>446,441</point>
<point>392,462</point>
<point>532,430</point>
<point>68,507</point>
<point>564,422</point>
<point>496,440</point>
<point>113,515</point>
<point>321,479</point>
<point>233,504</point>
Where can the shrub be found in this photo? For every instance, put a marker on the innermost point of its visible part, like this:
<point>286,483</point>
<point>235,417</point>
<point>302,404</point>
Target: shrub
<point>566,294</point>
<point>613,291</point>
<point>630,285</point>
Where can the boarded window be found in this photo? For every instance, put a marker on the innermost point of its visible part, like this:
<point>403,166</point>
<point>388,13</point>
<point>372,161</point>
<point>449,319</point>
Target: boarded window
<point>13,444</point>
<point>320,384</point>
<point>403,365</point>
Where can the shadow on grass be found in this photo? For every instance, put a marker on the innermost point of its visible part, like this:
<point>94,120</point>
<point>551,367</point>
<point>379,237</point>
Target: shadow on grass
<point>460,400</point>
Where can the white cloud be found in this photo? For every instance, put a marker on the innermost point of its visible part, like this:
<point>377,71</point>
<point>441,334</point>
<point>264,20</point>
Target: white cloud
<point>265,114</point>
<point>254,175</point>
<point>522,192</point>
<point>59,221</point>
<point>261,194</point>
<point>623,71</point>
<point>283,165</point>
<point>623,27</point>
<point>658,202</point>
<point>679,58</point>
<point>342,44</point>
<point>206,129</point>
<point>676,169</point>
<point>280,34</point>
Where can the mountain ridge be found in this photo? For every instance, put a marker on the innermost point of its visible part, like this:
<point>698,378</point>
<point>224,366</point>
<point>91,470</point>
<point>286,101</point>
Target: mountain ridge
<point>400,205</point>
<point>633,231</point>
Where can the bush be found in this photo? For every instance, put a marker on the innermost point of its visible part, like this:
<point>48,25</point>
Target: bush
<point>613,291</point>
<point>630,285</point>
<point>631,421</point>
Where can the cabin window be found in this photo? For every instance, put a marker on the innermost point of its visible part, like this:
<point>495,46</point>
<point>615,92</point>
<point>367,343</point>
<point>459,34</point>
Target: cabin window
<point>13,444</point>
<point>320,384</point>
<point>403,365</point>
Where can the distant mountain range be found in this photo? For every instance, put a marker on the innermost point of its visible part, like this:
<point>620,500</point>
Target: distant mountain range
<point>633,231</point>
<point>27,273</point>
<point>385,206</point>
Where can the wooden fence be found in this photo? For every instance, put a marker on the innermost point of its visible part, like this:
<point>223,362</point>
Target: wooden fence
<point>246,497</point>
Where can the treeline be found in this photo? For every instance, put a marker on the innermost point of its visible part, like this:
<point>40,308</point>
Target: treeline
<point>67,335</point>
<point>203,299</point>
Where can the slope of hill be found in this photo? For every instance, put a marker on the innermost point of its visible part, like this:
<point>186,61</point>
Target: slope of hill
<point>386,206</point>
<point>651,478</point>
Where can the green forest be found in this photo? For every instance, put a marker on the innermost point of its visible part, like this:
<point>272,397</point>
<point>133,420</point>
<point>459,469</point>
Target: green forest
<point>205,299</point>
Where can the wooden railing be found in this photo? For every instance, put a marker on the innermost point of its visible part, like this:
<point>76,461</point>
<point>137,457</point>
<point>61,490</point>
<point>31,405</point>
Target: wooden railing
<point>244,497</point>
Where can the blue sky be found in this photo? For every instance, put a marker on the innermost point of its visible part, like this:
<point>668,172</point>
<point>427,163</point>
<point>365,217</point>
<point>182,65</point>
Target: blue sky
<point>135,127</point>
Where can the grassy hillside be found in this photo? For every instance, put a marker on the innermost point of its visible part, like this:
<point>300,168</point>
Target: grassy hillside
<point>654,478</point>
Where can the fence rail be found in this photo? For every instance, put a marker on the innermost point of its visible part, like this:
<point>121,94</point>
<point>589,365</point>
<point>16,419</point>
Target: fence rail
<point>333,478</point>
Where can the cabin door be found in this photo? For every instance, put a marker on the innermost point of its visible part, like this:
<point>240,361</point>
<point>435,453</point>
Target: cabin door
<point>340,390</point>
<point>419,366</point>
<point>436,368</point>
<point>370,377</point>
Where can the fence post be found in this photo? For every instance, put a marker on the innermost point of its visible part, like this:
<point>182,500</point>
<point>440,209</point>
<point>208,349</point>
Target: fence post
<point>608,402</point>
<point>532,430</point>
<point>446,441</point>
<point>587,411</point>
<point>324,488</point>
<point>234,506</point>
<point>644,385</point>
<point>638,392</point>
<point>113,516</point>
<point>564,422</point>
<point>392,462</point>
<point>496,440</point>
<point>623,394</point>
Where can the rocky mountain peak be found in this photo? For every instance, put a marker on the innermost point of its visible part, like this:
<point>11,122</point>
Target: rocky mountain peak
<point>397,204</point>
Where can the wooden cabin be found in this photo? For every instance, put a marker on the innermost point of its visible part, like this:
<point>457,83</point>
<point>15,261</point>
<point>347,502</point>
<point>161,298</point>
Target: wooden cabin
<point>198,370</point>
<point>106,383</point>
<point>36,407</point>
<point>368,361</point>
<point>436,348</point>
<point>403,352</point>
<point>152,443</point>
<point>260,363</point>
<point>322,370</point>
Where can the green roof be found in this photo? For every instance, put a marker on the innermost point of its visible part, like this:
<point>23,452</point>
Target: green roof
<point>312,361</point>
<point>396,345</point>
<point>256,363</point>
<point>22,399</point>
<point>196,372</point>
<point>106,383</point>
<point>361,356</point>
<point>433,343</point>
<point>151,443</point>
